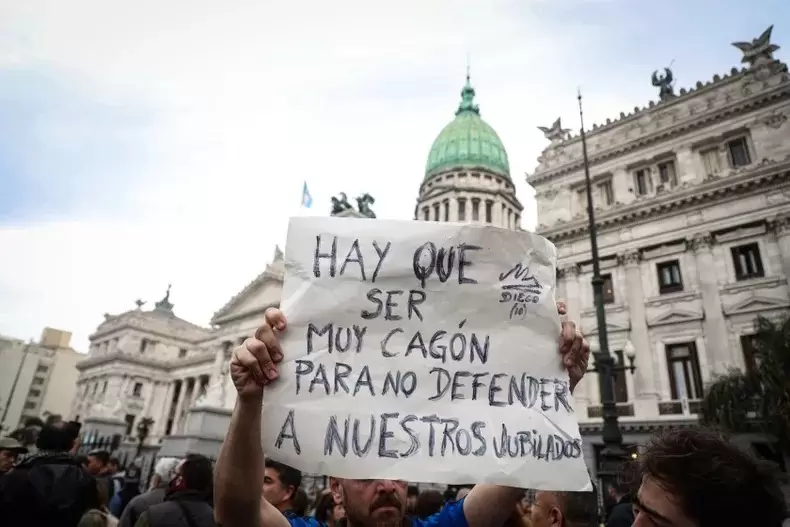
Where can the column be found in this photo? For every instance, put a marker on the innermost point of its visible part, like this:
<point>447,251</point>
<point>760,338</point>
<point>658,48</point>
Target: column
<point>781,230</point>
<point>150,400</point>
<point>715,327</point>
<point>195,391</point>
<point>179,406</point>
<point>161,422</point>
<point>646,384</point>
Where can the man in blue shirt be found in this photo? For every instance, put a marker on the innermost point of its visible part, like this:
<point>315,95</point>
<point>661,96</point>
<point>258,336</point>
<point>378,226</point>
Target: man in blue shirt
<point>368,503</point>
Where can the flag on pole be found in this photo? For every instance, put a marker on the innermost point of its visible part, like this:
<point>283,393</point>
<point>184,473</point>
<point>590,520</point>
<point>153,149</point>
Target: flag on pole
<point>307,199</point>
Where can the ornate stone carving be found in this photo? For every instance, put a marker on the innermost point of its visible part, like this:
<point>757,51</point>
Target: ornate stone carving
<point>758,51</point>
<point>555,133</point>
<point>630,258</point>
<point>569,271</point>
<point>780,225</point>
<point>775,120</point>
<point>700,242</point>
<point>106,411</point>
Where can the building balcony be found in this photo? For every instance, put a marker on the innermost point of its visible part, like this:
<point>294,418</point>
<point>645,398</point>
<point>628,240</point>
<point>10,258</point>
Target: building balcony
<point>623,410</point>
<point>686,407</point>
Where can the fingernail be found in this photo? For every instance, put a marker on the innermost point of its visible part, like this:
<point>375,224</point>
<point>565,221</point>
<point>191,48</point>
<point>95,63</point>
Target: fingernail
<point>271,373</point>
<point>281,325</point>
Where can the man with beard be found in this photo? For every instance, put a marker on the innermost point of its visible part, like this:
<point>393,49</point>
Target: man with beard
<point>367,503</point>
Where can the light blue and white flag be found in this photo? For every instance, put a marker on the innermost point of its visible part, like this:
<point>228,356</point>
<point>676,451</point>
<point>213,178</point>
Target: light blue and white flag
<point>307,199</point>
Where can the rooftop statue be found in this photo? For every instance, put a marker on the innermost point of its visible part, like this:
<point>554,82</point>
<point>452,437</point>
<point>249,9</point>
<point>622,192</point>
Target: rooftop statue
<point>340,205</point>
<point>664,84</point>
<point>363,205</point>
<point>555,132</point>
<point>758,51</point>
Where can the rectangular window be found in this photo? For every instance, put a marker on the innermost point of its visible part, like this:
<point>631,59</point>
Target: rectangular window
<point>685,380</point>
<point>489,211</point>
<point>667,174</point>
<point>461,210</point>
<point>435,212</point>
<point>642,182</point>
<point>182,353</point>
<point>41,368</point>
<point>749,347</point>
<point>426,213</point>
<point>475,210</point>
<point>37,380</point>
<point>129,424</point>
<point>747,262</point>
<point>608,289</point>
<point>710,161</point>
<point>738,152</point>
<point>144,343</point>
<point>30,406</point>
<point>34,393</point>
<point>669,279</point>
<point>581,199</point>
<point>517,222</point>
<point>137,391</point>
<point>605,193</point>
<point>446,210</point>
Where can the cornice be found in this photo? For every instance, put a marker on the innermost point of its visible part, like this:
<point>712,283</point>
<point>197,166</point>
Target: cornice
<point>763,175</point>
<point>227,319</point>
<point>125,358</point>
<point>641,426</point>
<point>740,107</point>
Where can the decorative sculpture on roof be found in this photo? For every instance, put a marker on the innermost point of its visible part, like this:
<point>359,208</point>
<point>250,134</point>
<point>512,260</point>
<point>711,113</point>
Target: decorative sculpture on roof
<point>758,51</point>
<point>278,253</point>
<point>340,205</point>
<point>363,205</point>
<point>164,304</point>
<point>139,303</point>
<point>555,132</point>
<point>664,84</point>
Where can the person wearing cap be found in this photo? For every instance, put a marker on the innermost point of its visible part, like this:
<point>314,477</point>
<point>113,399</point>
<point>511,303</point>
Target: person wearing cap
<point>10,448</point>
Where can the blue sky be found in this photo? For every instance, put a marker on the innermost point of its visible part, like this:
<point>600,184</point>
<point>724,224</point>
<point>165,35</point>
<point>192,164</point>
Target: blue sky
<point>151,143</point>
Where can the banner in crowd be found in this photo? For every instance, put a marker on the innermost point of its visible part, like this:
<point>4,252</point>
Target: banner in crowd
<point>422,351</point>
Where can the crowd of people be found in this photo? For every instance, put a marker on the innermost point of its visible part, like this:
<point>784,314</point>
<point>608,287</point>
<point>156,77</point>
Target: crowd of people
<point>691,477</point>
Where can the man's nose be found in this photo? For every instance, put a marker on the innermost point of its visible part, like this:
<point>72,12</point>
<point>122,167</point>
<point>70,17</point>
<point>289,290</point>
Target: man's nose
<point>386,485</point>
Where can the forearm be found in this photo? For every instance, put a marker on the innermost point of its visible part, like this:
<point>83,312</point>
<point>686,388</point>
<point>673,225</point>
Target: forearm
<point>238,476</point>
<point>490,505</point>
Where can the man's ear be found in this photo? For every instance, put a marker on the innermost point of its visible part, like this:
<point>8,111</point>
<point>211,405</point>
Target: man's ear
<point>290,492</point>
<point>555,515</point>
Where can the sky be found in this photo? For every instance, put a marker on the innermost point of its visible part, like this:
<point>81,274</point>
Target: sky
<point>146,143</point>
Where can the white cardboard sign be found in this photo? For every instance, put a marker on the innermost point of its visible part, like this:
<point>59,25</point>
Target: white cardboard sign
<point>422,351</point>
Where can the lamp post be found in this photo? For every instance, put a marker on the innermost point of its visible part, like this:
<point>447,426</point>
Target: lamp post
<point>143,428</point>
<point>613,453</point>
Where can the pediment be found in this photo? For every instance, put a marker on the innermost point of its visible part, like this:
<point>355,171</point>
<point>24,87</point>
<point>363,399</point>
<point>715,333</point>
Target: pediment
<point>674,316</point>
<point>591,329</point>
<point>263,292</point>
<point>755,304</point>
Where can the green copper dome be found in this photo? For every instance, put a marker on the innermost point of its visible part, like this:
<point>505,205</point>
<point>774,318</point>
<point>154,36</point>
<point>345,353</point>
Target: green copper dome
<point>468,141</point>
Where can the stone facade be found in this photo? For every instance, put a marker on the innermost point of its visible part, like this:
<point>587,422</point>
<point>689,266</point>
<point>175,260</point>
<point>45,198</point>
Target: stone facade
<point>150,363</point>
<point>692,205</point>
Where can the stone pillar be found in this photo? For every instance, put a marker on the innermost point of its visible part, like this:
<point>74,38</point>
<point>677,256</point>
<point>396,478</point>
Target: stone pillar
<point>150,401</point>
<point>646,384</point>
<point>179,406</point>
<point>717,345</point>
<point>572,301</point>
<point>781,230</point>
<point>161,424</point>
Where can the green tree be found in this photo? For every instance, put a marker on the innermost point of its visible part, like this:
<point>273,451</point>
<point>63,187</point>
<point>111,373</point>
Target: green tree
<point>759,397</point>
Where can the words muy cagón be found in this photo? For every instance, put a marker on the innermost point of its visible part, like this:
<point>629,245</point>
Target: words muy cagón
<point>449,351</point>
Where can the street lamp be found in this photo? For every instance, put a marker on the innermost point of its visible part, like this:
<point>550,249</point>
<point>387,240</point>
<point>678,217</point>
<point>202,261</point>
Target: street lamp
<point>613,454</point>
<point>143,428</point>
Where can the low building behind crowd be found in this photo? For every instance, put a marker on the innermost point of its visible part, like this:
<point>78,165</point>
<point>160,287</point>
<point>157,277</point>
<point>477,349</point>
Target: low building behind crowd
<point>693,200</point>
<point>37,379</point>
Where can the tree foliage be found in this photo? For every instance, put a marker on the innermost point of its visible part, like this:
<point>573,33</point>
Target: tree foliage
<point>742,400</point>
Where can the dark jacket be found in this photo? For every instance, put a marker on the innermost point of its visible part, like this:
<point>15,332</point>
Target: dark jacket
<point>181,509</point>
<point>622,514</point>
<point>140,504</point>
<point>47,489</point>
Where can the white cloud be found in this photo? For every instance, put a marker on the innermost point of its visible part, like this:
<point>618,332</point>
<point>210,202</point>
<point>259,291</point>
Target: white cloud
<point>254,98</point>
